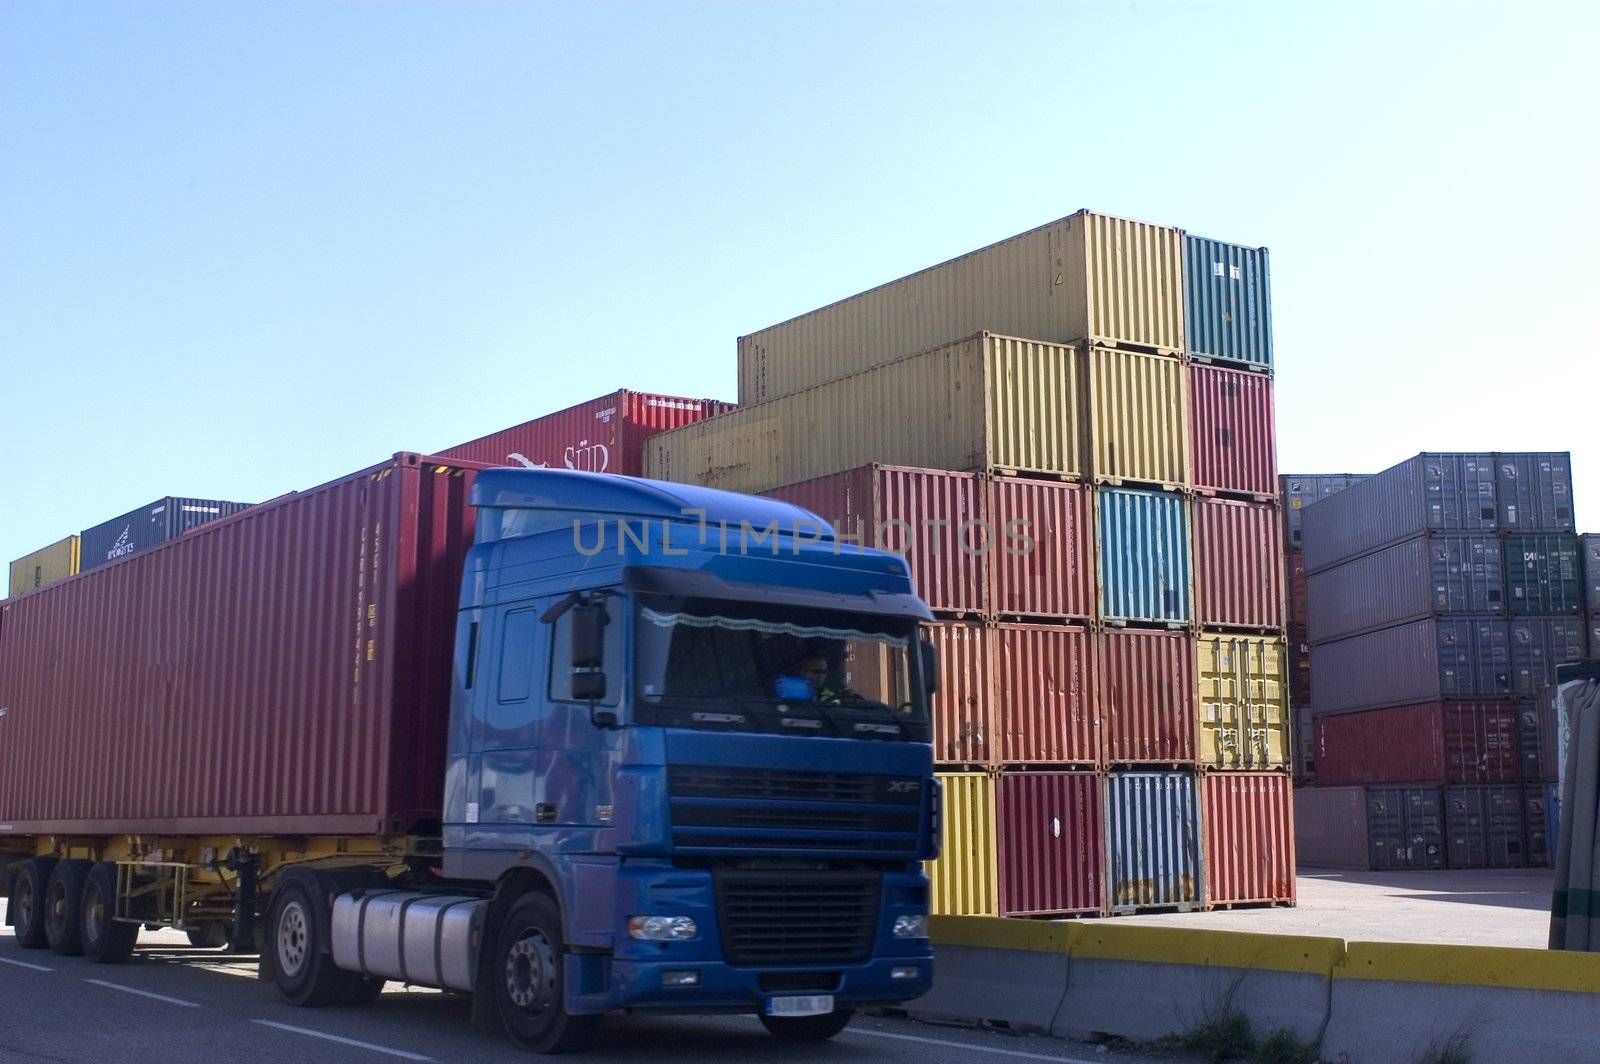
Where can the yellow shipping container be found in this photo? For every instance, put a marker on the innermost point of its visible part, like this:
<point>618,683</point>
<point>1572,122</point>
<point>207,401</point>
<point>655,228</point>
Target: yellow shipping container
<point>1244,702</point>
<point>984,403</point>
<point>45,566</point>
<point>1083,277</point>
<point>965,879</point>
<point>1138,417</point>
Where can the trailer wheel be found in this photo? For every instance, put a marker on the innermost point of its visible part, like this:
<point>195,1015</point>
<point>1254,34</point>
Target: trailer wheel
<point>63,906</point>
<point>529,987</point>
<point>105,940</point>
<point>27,901</point>
<point>301,964</point>
<point>213,934</point>
<point>807,1028</point>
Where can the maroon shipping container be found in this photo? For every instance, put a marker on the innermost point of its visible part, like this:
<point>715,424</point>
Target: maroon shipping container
<point>1051,573</point>
<point>1433,742</point>
<point>1146,691</point>
<point>938,520</point>
<point>1238,564</point>
<point>603,435</point>
<point>1249,830</point>
<point>1044,708</point>
<point>1235,443</point>
<point>963,705</point>
<point>1051,843</point>
<point>284,671</point>
<point>1299,616</point>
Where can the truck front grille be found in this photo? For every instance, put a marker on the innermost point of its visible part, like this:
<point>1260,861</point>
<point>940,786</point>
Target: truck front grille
<point>725,809</point>
<point>794,917</point>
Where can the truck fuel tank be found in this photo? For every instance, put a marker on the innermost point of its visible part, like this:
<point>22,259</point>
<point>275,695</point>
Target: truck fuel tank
<point>410,936</point>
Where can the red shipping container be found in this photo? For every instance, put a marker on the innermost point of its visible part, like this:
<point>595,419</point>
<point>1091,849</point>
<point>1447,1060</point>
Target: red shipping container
<point>1298,612</point>
<point>1044,708</point>
<point>1051,843</point>
<point>962,707</point>
<point>1249,830</point>
<point>604,435</point>
<point>1431,742</point>
<point>938,520</point>
<point>1146,690</point>
<point>1238,564</point>
<point>1235,445</point>
<point>284,671</point>
<point>1050,572</point>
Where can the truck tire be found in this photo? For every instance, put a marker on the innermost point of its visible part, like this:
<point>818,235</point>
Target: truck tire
<point>529,984</point>
<point>212,934</point>
<point>63,906</point>
<point>26,907</point>
<point>105,940</point>
<point>301,964</point>
<point>807,1028</point>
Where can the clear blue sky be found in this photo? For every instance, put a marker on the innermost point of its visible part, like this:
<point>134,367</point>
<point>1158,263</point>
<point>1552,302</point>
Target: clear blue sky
<point>245,248</point>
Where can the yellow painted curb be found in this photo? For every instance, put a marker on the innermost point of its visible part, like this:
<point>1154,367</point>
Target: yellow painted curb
<point>991,932</point>
<point>1498,966</point>
<point>1216,949</point>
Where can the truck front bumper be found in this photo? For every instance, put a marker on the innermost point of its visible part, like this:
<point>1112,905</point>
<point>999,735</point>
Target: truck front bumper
<point>724,988</point>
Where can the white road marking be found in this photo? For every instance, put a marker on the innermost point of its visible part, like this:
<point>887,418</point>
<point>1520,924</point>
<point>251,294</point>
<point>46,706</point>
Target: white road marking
<point>144,993</point>
<point>968,1045</point>
<point>343,1041</point>
<point>25,964</point>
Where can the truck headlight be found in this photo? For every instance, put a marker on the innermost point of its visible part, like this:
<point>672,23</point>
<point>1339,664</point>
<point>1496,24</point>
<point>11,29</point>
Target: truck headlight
<point>662,928</point>
<point>911,926</point>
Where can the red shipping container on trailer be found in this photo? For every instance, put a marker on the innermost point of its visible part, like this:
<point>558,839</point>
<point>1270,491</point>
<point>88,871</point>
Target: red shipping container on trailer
<point>1431,742</point>
<point>284,671</point>
<point>603,435</point>
<point>1238,564</point>
<point>1044,702</point>
<point>1044,557</point>
<point>1146,691</point>
<point>1249,832</point>
<point>1235,437</point>
<point>1051,843</point>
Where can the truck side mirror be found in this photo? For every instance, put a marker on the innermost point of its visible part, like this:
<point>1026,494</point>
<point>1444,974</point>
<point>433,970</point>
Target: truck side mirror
<point>930,666</point>
<point>589,620</point>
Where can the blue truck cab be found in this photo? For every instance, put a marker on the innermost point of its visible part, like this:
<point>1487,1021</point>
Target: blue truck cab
<point>690,753</point>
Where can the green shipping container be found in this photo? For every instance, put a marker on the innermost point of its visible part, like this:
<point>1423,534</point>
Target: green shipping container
<point>1543,574</point>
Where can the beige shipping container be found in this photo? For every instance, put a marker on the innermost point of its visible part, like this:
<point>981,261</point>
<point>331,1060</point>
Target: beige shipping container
<point>1138,418</point>
<point>965,880</point>
<point>1083,277</point>
<point>44,566</point>
<point>1244,702</point>
<point>986,403</point>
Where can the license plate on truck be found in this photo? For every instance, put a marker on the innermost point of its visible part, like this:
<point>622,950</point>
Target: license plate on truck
<point>809,1005</point>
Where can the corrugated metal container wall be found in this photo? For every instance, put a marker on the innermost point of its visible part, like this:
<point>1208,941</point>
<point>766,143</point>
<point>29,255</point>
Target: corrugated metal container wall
<point>1234,432</point>
<point>1244,703</point>
<point>1082,277</point>
<point>1145,689</point>
<point>936,519</point>
<point>1484,827</point>
<point>1330,827</point>
<point>1428,493</point>
<point>1153,840</point>
<point>986,402</point>
<point>1537,840</point>
<point>1043,554</point>
<point>44,566</point>
<point>1538,645</point>
<point>1052,851</point>
<point>1431,574</point>
<point>1528,736</point>
<point>1299,490</point>
<point>1228,298</point>
<point>1405,828</point>
<point>1534,490</point>
<point>1590,547</point>
<point>228,704</point>
<point>1238,564</point>
<point>1249,831</point>
<point>1142,551</point>
<point>1044,699</point>
<point>1543,574</point>
<point>1549,731</point>
<point>963,723</point>
<point>603,435</point>
<point>1434,742</point>
<point>964,880</point>
<point>1138,418</point>
<point>1299,613</point>
<point>148,526</point>
<point>1422,661</point>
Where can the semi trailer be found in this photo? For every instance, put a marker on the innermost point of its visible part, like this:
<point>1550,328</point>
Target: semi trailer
<point>569,743</point>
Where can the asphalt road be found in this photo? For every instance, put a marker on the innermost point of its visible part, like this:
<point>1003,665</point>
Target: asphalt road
<point>172,1002</point>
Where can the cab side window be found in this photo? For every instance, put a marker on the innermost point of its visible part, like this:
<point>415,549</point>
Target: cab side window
<point>561,658</point>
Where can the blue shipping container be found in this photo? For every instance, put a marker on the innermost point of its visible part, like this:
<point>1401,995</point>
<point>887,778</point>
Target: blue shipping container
<point>1538,645</point>
<point>1144,562</point>
<point>1227,303</point>
<point>148,526</point>
<point>1153,841</point>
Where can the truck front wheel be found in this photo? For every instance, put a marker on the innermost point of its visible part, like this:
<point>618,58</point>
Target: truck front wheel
<point>529,985</point>
<point>807,1028</point>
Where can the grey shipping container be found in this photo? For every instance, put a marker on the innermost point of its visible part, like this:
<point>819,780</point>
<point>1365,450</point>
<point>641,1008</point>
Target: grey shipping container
<point>1534,490</point>
<point>1433,492</point>
<point>1589,548</point>
<point>1405,828</point>
<point>1421,661</point>
<point>1538,645</point>
<point>1536,827</point>
<point>1330,827</point>
<point>1529,735</point>
<point>1153,841</point>
<point>1483,823</point>
<point>1300,490</point>
<point>1432,574</point>
<point>147,526</point>
<point>1543,574</point>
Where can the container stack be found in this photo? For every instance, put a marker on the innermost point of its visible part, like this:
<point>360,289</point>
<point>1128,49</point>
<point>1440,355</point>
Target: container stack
<point>1069,435</point>
<point>1441,595</point>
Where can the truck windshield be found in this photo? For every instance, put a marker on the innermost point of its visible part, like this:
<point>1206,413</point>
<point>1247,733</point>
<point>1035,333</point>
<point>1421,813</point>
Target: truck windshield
<point>745,667</point>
